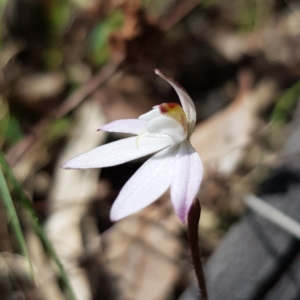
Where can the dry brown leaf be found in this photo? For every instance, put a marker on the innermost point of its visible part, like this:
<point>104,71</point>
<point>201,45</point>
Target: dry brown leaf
<point>39,87</point>
<point>35,157</point>
<point>16,281</point>
<point>136,39</point>
<point>70,196</point>
<point>45,277</point>
<point>278,40</point>
<point>143,252</point>
<point>221,140</point>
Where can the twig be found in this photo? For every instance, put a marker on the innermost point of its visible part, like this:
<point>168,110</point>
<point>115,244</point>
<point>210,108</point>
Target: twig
<point>21,148</point>
<point>89,87</point>
<point>193,222</point>
<point>179,12</point>
<point>272,214</point>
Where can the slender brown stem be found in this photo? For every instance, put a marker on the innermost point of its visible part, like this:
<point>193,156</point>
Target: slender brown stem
<point>193,221</point>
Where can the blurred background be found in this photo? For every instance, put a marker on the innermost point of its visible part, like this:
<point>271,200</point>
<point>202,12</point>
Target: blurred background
<point>70,66</point>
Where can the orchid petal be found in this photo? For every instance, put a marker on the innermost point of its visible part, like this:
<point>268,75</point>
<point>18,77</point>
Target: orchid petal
<point>118,152</point>
<point>149,182</point>
<point>187,177</point>
<point>186,102</point>
<point>168,126</point>
<point>155,112</point>
<point>133,126</point>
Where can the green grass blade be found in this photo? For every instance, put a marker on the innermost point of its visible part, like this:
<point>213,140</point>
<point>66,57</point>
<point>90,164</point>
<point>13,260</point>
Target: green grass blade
<point>14,220</point>
<point>38,229</point>
<point>286,103</point>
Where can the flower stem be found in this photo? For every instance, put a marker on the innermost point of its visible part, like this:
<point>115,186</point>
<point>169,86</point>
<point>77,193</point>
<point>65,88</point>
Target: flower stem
<point>193,221</point>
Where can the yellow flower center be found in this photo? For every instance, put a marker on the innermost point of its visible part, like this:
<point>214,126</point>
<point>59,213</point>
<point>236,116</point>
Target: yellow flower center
<point>175,111</point>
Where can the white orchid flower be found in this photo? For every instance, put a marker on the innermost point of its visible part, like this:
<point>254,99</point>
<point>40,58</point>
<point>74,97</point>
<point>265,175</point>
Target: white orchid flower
<point>165,131</point>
